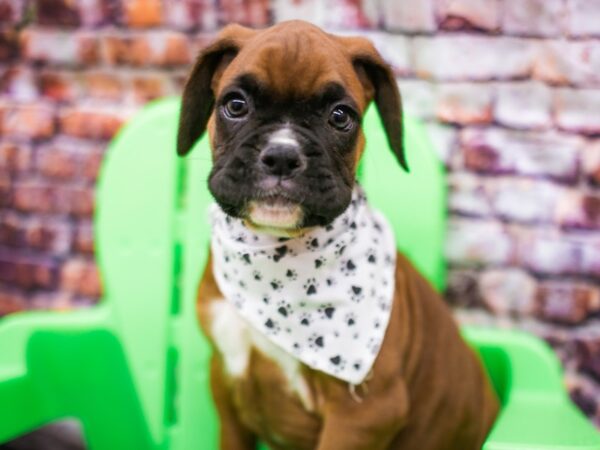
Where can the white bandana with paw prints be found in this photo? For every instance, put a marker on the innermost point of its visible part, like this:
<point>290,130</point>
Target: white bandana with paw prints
<point>324,297</point>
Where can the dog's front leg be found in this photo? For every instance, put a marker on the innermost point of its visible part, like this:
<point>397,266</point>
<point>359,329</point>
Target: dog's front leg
<point>370,423</point>
<point>233,434</point>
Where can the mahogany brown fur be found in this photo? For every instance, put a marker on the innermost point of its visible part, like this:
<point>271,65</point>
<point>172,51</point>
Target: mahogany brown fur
<point>427,389</point>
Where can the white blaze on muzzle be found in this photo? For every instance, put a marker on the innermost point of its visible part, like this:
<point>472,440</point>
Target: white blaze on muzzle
<point>325,297</point>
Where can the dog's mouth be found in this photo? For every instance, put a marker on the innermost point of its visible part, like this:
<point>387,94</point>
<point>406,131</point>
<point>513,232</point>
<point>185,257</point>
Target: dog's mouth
<point>275,212</point>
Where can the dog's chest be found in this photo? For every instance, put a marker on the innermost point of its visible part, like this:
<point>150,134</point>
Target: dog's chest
<point>236,339</point>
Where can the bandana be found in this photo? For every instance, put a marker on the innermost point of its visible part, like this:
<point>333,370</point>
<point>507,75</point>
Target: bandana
<point>325,297</point>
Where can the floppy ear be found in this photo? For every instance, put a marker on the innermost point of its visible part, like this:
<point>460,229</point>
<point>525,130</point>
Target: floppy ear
<point>198,94</point>
<point>380,84</point>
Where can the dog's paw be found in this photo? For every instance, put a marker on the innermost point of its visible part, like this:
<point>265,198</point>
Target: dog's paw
<point>257,275</point>
<point>338,363</point>
<point>340,248</point>
<point>371,256</point>
<point>311,286</point>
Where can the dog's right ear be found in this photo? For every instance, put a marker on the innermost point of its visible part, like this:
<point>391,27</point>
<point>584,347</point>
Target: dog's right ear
<point>199,92</point>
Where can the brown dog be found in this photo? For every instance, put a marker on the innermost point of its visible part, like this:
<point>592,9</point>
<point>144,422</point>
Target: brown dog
<point>282,107</point>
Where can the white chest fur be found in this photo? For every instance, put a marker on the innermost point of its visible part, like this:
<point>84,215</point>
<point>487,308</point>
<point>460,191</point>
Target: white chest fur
<point>235,340</point>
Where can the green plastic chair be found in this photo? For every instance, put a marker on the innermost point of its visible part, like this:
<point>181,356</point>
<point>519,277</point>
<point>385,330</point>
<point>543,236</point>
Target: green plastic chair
<point>133,370</point>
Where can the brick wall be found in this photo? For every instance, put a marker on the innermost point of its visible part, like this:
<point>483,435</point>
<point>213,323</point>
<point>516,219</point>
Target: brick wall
<point>510,90</point>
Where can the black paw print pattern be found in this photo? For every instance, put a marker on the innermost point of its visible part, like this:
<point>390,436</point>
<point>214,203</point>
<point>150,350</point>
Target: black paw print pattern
<point>316,341</point>
<point>276,285</point>
<point>326,311</point>
<point>356,293</point>
<point>291,275</point>
<point>348,267</point>
<point>324,296</point>
<point>311,286</point>
<point>284,308</point>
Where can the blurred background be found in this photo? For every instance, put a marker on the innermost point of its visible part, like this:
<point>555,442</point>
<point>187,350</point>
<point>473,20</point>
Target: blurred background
<point>509,90</point>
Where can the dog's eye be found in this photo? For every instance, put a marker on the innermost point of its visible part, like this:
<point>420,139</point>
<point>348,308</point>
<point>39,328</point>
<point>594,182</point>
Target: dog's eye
<point>236,107</point>
<point>341,118</point>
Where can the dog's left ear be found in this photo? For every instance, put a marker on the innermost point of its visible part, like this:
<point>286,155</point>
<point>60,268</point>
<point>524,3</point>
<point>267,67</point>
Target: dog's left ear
<point>199,93</point>
<point>380,85</point>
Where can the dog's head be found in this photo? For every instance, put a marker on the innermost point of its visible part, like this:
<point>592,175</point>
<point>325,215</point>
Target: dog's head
<point>283,108</point>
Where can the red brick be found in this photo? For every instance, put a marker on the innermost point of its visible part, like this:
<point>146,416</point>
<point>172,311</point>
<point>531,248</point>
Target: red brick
<point>523,152</point>
<point>162,48</point>
<point>351,14</point>
<point>477,243</point>
<point>28,272</point>
<point>463,56</point>
<point>89,122</point>
<point>394,49</point>
<point>549,253</point>
<point>58,86</point>
<point>191,14</point>
<point>588,353</point>
<point>577,110</point>
<point>147,88</point>
<point>11,303</point>
<point>84,238</point>
<point>34,121</point>
<point>524,200</point>
<point>523,105</point>
<point>103,86</point>
<point>591,161</point>
<point>468,14</point>
<point>444,140</point>
<point>33,197</point>
<point>80,276</point>
<point>54,162</point>
<point>11,226</point>
<point>566,302</point>
<point>48,235</point>
<point>590,256</point>
<point>95,13</point>
<point>60,13</point>
<point>468,195</point>
<point>6,193</point>
<point>533,17</point>
<point>9,45</point>
<point>59,47</point>
<point>463,103</point>
<point>253,13</point>
<point>91,163</point>
<point>15,157</point>
<point>419,98</point>
<point>579,210</point>
<point>508,291</point>
<point>18,83</point>
<point>567,62</point>
<point>77,201</point>
<point>11,11</point>
<point>409,16</point>
<point>142,13</point>
<point>583,17</point>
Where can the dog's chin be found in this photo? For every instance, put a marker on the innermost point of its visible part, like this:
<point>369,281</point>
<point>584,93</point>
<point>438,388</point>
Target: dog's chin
<point>278,217</point>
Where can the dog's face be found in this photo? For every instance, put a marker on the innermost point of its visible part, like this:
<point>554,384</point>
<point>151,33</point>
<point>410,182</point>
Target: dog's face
<point>283,108</point>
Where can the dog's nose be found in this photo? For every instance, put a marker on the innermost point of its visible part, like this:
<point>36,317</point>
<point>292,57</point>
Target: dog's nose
<point>281,160</point>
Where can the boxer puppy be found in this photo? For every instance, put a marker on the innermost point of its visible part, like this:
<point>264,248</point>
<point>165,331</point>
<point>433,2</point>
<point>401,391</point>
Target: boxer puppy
<point>324,337</point>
